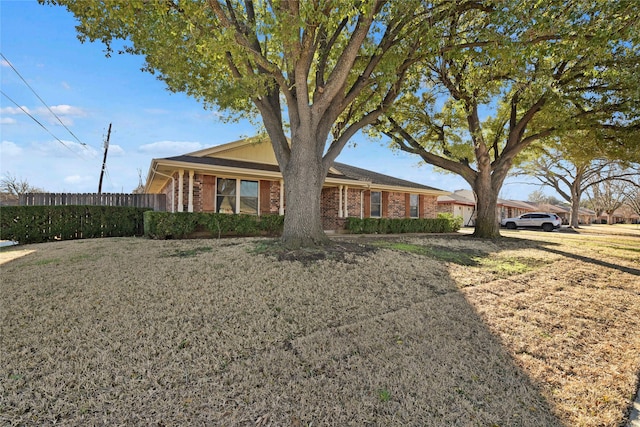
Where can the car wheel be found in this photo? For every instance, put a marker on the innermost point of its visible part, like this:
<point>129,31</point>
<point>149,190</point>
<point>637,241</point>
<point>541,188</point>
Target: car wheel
<point>547,227</point>
<point>511,225</point>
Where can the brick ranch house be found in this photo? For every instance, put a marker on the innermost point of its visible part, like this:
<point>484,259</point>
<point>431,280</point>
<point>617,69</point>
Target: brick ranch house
<point>244,177</point>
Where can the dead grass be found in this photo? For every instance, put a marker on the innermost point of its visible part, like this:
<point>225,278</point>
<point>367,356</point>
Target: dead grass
<point>122,331</point>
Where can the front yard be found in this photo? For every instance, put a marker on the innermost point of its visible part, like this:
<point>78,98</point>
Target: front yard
<point>536,329</point>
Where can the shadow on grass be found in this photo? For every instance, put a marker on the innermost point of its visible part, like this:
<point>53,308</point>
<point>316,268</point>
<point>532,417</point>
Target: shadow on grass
<point>379,340</point>
<point>590,260</point>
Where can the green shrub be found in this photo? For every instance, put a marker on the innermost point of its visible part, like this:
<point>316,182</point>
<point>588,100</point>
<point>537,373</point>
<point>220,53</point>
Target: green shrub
<point>455,221</point>
<point>167,225</point>
<point>36,224</point>
<point>442,224</point>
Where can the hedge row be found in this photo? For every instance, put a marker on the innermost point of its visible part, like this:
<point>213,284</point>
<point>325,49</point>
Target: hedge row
<point>37,224</point>
<point>442,224</point>
<point>165,225</point>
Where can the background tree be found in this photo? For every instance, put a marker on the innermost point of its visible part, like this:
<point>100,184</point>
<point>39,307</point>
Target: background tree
<point>316,70</point>
<point>516,75</point>
<point>632,194</point>
<point>538,197</point>
<point>17,186</point>
<point>570,165</point>
<point>607,196</point>
<point>140,188</point>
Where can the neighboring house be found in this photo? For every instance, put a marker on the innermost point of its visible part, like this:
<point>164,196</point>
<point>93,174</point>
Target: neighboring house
<point>514,208</point>
<point>460,203</point>
<point>244,177</point>
<point>586,216</point>
<point>623,215</point>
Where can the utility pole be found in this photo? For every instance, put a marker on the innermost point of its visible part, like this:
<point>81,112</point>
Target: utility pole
<point>104,160</point>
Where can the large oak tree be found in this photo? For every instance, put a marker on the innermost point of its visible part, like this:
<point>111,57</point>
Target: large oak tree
<point>516,74</point>
<point>315,71</point>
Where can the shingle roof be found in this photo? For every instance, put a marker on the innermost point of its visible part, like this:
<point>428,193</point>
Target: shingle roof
<point>456,198</point>
<point>377,178</point>
<point>216,161</point>
<point>346,171</point>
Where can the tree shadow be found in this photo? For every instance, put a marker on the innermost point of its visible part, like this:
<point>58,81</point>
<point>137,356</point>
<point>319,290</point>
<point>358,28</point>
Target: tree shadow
<point>245,339</point>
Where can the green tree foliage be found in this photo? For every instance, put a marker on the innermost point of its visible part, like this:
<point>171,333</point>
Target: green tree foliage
<point>514,73</point>
<point>317,71</point>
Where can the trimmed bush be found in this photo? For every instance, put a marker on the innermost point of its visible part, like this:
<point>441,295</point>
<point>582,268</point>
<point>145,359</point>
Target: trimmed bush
<point>179,225</point>
<point>37,224</point>
<point>442,224</point>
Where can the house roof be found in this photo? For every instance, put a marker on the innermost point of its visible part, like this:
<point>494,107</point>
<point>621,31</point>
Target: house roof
<point>377,178</point>
<point>459,197</point>
<point>546,207</point>
<point>254,157</point>
<point>518,204</point>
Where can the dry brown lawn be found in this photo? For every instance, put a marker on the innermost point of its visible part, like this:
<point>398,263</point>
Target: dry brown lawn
<point>538,329</point>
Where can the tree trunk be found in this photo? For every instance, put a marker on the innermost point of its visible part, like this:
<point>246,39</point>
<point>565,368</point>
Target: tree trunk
<point>575,208</point>
<point>303,176</point>
<point>487,224</point>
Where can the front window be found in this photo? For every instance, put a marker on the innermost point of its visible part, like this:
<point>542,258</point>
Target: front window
<point>413,206</point>
<point>249,197</point>
<point>376,198</point>
<point>226,197</point>
<point>237,196</point>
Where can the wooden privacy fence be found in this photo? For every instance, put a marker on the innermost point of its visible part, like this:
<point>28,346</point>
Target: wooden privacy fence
<point>158,202</point>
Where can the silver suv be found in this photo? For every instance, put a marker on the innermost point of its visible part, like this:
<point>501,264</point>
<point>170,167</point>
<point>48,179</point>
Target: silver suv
<point>546,221</point>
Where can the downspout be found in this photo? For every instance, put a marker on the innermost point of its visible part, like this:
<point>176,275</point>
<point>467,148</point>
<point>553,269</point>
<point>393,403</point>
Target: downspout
<point>173,186</point>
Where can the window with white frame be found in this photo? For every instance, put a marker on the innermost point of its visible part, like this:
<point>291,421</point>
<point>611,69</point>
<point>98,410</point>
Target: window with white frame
<point>413,206</point>
<point>237,196</point>
<point>376,204</point>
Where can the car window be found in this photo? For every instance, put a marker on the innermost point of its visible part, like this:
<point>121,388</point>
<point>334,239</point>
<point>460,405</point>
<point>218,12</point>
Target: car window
<point>526,216</point>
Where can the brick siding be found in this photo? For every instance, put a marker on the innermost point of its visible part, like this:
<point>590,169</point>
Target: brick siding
<point>394,204</point>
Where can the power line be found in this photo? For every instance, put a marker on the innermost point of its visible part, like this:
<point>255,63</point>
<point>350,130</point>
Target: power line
<point>36,120</point>
<point>41,100</point>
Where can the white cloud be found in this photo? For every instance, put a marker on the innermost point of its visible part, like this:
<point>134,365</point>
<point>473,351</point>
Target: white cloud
<point>168,148</point>
<point>64,112</point>
<point>5,63</point>
<point>115,150</point>
<point>7,121</point>
<point>68,110</point>
<point>13,110</point>
<point>10,149</point>
<point>75,179</point>
<point>70,149</point>
<point>66,85</point>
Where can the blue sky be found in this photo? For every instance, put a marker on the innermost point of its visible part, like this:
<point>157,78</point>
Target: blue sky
<point>88,91</point>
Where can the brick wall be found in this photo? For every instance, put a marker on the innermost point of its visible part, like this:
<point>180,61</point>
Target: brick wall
<point>329,207</point>
<point>274,197</point>
<point>330,203</point>
<point>396,207</point>
<point>429,206</point>
<point>354,202</point>
<point>445,208</point>
<point>394,203</point>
